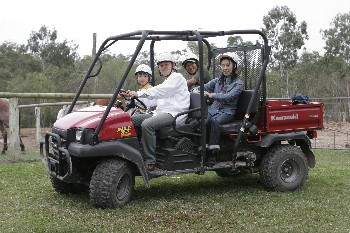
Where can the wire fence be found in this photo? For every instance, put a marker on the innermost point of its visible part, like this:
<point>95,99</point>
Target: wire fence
<point>336,109</point>
<point>335,136</point>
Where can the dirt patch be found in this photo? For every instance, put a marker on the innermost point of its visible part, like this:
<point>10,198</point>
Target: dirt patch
<point>334,136</point>
<point>29,137</point>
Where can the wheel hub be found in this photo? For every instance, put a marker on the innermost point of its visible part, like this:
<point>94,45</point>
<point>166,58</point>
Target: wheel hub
<point>289,171</point>
<point>122,188</point>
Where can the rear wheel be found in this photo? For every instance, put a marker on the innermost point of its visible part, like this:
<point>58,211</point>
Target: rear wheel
<point>284,168</point>
<point>112,184</point>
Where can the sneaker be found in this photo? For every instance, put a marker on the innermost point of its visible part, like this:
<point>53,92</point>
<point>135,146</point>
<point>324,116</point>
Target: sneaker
<point>211,155</point>
<point>210,161</point>
<point>213,147</point>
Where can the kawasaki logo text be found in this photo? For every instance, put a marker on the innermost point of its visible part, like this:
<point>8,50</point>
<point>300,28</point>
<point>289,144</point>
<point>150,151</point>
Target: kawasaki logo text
<point>283,118</point>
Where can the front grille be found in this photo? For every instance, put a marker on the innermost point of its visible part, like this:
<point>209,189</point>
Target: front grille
<point>67,136</point>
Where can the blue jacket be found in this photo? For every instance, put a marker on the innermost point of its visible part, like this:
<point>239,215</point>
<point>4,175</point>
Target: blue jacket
<point>225,92</point>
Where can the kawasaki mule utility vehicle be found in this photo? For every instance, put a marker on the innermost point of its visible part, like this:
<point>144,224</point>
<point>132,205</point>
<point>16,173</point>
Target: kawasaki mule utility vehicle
<point>97,147</point>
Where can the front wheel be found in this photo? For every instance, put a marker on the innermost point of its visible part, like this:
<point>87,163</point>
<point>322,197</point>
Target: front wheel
<point>112,184</point>
<point>284,168</point>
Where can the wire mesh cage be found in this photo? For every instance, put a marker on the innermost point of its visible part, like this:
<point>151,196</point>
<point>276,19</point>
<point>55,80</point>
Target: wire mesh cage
<point>250,62</point>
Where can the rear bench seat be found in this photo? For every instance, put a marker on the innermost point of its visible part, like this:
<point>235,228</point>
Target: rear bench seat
<point>242,105</point>
<point>229,128</point>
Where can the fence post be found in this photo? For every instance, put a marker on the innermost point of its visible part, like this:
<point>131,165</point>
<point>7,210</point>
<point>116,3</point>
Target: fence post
<point>37,124</point>
<point>14,127</point>
<point>315,140</point>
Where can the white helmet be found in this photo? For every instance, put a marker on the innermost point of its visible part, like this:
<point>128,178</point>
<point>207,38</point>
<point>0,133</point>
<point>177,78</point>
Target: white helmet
<point>144,68</point>
<point>165,57</point>
<point>189,57</point>
<point>233,57</point>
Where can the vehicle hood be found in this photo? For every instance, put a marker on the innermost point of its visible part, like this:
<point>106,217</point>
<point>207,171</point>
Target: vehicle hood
<point>88,117</point>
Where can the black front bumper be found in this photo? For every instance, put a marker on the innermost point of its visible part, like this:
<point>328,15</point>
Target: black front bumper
<point>58,161</point>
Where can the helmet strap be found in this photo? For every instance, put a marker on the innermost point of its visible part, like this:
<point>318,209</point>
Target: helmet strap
<point>169,73</point>
<point>172,70</point>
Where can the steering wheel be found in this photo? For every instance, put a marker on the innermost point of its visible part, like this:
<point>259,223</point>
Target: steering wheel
<point>130,103</point>
<point>141,105</point>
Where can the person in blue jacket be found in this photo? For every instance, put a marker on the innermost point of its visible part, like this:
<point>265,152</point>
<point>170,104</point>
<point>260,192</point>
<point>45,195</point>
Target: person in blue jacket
<point>224,92</point>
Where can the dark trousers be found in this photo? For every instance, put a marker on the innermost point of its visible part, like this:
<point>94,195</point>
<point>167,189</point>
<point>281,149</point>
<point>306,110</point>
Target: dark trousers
<point>149,125</point>
<point>213,123</point>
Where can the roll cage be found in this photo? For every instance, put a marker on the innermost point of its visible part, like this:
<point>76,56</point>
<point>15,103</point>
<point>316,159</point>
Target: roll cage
<point>202,39</point>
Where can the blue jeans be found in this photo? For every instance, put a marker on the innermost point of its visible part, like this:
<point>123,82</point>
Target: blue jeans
<point>149,125</point>
<point>213,123</point>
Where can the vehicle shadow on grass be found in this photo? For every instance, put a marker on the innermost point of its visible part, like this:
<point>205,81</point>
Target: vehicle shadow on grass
<point>181,187</point>
<point>178,187</point>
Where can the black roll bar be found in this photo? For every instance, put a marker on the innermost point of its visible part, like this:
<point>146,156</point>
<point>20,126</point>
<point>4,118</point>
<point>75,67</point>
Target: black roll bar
<point>199,36</point>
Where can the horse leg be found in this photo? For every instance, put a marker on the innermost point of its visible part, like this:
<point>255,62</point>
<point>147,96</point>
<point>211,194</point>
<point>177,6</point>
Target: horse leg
<point>4,135</point>
<point>21,144</point>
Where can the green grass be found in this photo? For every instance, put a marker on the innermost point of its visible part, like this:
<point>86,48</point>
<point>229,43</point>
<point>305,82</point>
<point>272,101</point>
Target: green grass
<point>184,203</point>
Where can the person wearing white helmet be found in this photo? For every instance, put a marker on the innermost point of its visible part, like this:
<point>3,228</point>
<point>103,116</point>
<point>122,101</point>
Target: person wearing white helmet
<point>224,92</point>
<point>191,64</point>
<point>143,75</point>
<point>172,98</point>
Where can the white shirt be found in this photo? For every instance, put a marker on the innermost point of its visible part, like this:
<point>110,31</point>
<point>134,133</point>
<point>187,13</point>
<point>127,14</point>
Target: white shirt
<point>172,96</point>
<point>148,102</point>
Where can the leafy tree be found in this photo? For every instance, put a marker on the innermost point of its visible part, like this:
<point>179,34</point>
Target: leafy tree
<point>286,37</point>
<point>234,41</point>
<point>338,37</point>
<point>318,76</point>
<point>15,62</point>
<point>192,47</point>
<point>34,82</point>
<point>113,68</point>
<point>237,41</point>
<point>306,73</point>
<point>43,45</point>
<point>274,84</point>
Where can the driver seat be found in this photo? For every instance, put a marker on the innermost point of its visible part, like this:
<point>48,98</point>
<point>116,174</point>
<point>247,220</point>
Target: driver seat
<point>194,115</point>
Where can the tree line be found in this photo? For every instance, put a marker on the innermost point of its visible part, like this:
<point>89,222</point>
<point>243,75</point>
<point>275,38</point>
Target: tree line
<point>45,64</point>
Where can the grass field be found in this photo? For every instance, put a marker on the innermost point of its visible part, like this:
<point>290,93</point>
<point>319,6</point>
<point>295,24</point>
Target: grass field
<point>186,203</point>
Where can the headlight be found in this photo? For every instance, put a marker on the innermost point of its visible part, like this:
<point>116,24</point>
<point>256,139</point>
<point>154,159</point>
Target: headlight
<point>78,134</point>
<point>84,136</point>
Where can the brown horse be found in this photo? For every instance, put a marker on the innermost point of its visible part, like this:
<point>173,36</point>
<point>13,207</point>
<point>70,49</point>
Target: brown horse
<point>4,123</point>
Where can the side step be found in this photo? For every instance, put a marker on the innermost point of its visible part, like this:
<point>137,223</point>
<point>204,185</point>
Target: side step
<point>199,170</point>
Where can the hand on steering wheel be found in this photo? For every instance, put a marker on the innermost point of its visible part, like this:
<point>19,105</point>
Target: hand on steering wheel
<point>141,104</point>
<point>130,101</point>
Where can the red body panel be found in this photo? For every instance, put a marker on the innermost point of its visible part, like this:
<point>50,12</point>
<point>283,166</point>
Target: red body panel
<point>117,125</point>
<point>283,116</point>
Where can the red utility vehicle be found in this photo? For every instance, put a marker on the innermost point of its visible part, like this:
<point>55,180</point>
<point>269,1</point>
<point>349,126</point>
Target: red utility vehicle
<point>97,147</point>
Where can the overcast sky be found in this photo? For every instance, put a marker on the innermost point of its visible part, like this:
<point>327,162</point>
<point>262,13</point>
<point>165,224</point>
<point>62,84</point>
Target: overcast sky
<point>77,20</point>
